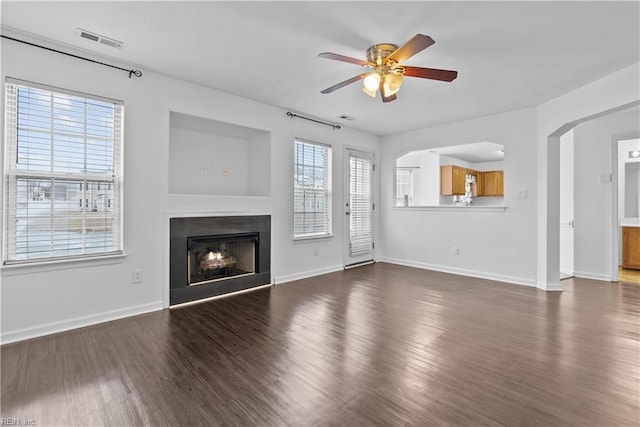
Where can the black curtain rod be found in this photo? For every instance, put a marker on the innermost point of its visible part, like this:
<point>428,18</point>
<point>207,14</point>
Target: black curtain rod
<point>131,72</point>
<point>292,115</point>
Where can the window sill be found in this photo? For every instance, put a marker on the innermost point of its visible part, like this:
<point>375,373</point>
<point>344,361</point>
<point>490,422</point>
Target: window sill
<point>452,208</point>
<point>302,239</point>
<point>64,264</point>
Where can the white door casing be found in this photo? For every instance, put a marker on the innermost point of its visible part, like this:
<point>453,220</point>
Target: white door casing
<point>566,204</point>
<point>358,208</point>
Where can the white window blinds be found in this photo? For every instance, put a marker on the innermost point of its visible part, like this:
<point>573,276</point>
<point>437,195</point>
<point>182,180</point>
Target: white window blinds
<point>312,190</point>
<point>63,174</point>
<point>360,204</point>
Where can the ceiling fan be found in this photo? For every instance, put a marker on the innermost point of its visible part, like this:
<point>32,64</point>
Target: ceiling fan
<point>386,74</point>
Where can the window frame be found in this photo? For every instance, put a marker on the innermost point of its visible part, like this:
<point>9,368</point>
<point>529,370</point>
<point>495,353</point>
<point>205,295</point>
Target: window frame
<point>361,202</point>
<point>57,175</point>
<point>326,190</point>
<point>409,183</point>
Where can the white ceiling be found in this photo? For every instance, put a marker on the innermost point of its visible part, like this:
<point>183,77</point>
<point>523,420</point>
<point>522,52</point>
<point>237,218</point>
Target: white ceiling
<point>509,55</point>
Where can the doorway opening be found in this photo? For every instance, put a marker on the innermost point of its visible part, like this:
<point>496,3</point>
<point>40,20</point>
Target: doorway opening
<point>567,194</point>
<point>603,248</point>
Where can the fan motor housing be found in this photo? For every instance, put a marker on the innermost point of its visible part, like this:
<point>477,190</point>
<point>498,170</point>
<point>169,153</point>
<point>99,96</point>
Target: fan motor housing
<point>378,53</point>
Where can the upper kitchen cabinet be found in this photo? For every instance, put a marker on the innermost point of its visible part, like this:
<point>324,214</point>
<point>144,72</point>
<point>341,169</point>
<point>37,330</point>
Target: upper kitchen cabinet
<point>452,180</point>
<point>491,183</point>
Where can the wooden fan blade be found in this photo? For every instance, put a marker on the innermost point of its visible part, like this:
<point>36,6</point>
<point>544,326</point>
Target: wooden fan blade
<point>385,98</point>
<point>344,83</point>
<point>343,58</point>
<point>416,44</point>
<point>430,73</point>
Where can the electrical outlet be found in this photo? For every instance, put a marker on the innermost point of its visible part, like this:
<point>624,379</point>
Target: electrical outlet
<point>136,276</point>
<point>315,252</point>
<point>225,171</point>
<point>456,250</point>
<point>522,194</point>
<point>204,170</point>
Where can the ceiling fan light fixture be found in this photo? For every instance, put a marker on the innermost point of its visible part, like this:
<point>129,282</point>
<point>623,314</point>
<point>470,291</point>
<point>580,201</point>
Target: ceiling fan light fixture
<point>387,91</point>
<point>394,81</point>
<point>386,70</point>
<point>371,82</point>
<point>371,93</point>
<point>391,84</point>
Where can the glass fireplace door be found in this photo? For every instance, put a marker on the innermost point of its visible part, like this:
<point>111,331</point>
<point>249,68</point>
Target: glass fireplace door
<point>213,258</point>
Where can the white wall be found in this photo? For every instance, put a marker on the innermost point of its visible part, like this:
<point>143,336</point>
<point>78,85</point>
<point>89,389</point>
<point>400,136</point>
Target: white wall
<point>497,244</point>
<point>447,160</point>
<point>611,93</point>
<point>260,165</point>
<point>430,178</point>
<point>488,166</point>
<point>594,198</point>
<point>197,161</point>
<point>42,299</point>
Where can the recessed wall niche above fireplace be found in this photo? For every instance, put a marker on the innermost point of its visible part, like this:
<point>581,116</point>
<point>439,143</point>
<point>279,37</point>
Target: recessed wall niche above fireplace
<point>212,256</point>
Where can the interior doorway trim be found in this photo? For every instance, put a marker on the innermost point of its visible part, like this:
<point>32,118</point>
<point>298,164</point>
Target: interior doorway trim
<point>552,254</point>
<point>615,226</point>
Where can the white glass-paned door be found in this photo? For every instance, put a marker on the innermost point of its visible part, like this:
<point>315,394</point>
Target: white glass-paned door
<point>359,207</point>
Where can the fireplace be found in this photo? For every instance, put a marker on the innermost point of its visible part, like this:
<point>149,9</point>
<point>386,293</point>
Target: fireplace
<point>212,256</point>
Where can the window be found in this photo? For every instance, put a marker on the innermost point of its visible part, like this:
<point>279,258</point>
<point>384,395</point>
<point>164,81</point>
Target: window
<point>63,174</point>
<point>404,187</point>
<point>311,190</point>
<point>360,203</point>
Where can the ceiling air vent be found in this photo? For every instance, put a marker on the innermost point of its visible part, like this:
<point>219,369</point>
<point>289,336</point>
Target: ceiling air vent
<point>98,38</point>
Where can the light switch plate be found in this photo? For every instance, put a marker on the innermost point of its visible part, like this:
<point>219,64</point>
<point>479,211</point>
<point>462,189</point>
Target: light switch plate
<point>605,178</point>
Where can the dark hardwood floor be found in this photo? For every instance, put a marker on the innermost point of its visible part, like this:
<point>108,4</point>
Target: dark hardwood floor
<point>375,345</point>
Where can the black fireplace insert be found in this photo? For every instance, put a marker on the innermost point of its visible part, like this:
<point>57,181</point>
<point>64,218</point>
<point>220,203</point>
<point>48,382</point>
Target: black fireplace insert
<point>212,256</point>
<point>217,257</point>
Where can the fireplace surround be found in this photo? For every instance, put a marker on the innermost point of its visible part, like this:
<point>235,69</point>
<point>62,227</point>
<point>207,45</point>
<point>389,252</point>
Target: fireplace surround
<point>212,256</point>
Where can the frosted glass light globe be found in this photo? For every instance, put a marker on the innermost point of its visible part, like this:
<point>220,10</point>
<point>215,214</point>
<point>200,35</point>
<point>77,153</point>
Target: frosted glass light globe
<point>372,81</point>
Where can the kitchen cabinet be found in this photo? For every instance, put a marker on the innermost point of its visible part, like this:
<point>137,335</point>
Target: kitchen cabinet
<point>631,247</point>
<point>452,180</point>
<point>491,183</point>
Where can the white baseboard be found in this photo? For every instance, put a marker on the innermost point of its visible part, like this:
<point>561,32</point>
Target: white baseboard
<point>550,287</point>
<point>306,274</point>
<point>594,276</point>
<point>461,271</point>
<point>78,322</point>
